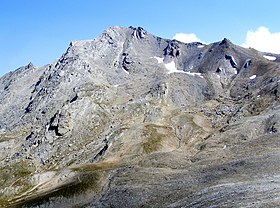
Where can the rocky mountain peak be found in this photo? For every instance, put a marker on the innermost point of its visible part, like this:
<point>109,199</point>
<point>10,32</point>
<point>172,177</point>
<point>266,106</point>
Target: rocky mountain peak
<point>130,119</point>
<point>225,42</point>
<point>30,65</point>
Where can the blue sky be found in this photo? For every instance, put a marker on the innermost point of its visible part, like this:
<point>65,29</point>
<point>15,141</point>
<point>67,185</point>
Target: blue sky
<point>39,31</point>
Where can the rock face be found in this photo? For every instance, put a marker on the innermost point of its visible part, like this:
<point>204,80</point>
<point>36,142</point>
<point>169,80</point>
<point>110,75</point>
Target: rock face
<point>134,120</point>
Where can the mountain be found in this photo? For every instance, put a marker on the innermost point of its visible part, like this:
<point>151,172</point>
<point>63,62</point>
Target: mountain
<point>134,120</point>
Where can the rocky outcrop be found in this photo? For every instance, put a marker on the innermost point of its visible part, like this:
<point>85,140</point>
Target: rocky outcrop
<point>138,32</point>
<point>130,119</point>
<point>232,60</point>
<point>172,49</point>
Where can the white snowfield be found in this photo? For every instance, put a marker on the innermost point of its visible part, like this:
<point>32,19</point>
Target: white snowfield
<point>160,60</point>
<point>253,76</point>
<point>271,58</point>
<point>194,74</point>
<point>171,67</point>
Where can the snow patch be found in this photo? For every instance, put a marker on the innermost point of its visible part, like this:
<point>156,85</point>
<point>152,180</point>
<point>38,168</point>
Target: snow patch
<point>235,71</point>
<point>233,60</point>
<point>253,76</point>
<point>200,46</point>
<point>171,67</point>
<point>116,85</point>
<point>194,74</point>
<point>217,75</point>
<point>271,58</point>
<point>125,71</point>
<point>160,60</point>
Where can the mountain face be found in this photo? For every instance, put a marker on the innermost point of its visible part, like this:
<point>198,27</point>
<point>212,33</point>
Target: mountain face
<point>133,120</point>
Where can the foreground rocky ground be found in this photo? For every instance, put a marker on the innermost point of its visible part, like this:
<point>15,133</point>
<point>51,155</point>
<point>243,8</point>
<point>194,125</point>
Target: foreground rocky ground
<point>133,120</point>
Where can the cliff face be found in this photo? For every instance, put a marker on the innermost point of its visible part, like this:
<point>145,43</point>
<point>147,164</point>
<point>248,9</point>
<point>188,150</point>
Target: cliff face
<point>130,119</point>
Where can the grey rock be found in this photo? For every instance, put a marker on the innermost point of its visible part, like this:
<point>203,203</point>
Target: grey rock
<point>232,60</point>
<point>109,124</point>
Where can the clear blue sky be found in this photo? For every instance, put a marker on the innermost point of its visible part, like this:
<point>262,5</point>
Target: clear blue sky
<point>39,31</point>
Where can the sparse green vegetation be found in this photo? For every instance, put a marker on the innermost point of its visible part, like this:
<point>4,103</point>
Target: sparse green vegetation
<point>15,173</point>
<point>85,181</point>
<point>14,134</point>
<point>3,202</point>
<point>152,144</point>
<point>88,180</point>
<point>4,138</point>
<point>153,139</point>
<point>16,177</point>
<point>95,167</point>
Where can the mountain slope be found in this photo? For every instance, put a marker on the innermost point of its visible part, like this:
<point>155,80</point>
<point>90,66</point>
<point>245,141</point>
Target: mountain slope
<point>130,119</point>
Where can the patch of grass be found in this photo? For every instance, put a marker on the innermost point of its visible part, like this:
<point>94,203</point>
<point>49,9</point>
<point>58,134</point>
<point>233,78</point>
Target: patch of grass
<point>15,176</point>
<point>257,106</point>
<point>153,139</point>
<point>22,171</point>
<point>95,167</point>
<point>86,181</point>
<point>3,202</point>
<point>14,135</point>
<point>23,183</point>
<point>5,138</point>
<point>153,144</point>
<point>4,176</point>
<point>14,172</point>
